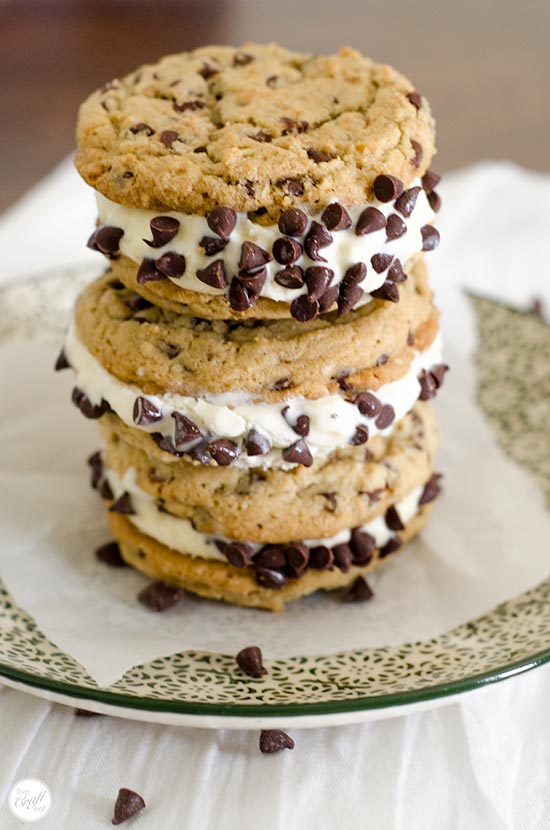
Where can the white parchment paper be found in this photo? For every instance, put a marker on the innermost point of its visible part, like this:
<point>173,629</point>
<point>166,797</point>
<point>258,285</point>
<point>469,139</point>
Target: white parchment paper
<point>487,541</point>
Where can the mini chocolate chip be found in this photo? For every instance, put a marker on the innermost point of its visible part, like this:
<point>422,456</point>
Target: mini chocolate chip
<point>123,505</point>
<point>370,220</point>
<point>270,556</point>
<point>304,308</point>
<point>167,137</point>
<point>336,217</point>
<point>171,264</point>
<point>329,298</point>
<point>356,273</point>
<point>418,153</point>
<point>385,417</point>
<point>349,295</point>
<point>317,237</point>
<point>106,240</point>
<point>332,501</point>
<point>239,298</point>
<point>281,384</point>
<point>89,409</point>
<point>434,200</point>
<point>293,222</point>
<point>395,227</point>
<point>298,453</point>
<point>292,187</point>
<point>318,156</point>
<point>388,291</point>
<point>142,128</point>
<point>159,596</point>
<point>286,250</point>
<point>61,362</point>
<point>318,278</point>
<point>390,547</point>
<point>360,436</point>
<point>382,359</point>
<point>148,272</point>
<point>410,339</point>
<point>430,238</point>
<point>291,277</point>
<point>367,404</point>
<point>128,804</point>
<point>163,230</point>
<point>297,554</point>
<point>242,58</point>
<point>395,271</point>
<point>428,386</point>
<point>415,98</point>
<point>273,740</point>
<point>362,546</point>
<point>431,490</point>
<point>268,578</point>
<point>212,245</point>
<point>213,274</point>
<point>438,373</point>
<point>223,451</point>
<point>359,591</point>
<point>406,202</point>
<point>291,125</point>
<point>222,221</point>
<point>256,443</point>
<point>190,106</point>
<point>250,661</point>
<point>387,188</point>
<point>321,558</point>
<point>393,519</point>
<point>145,412</point>
<point>430,180</point>
<point>252,257</point>
<point>185,430</point>
<point>262,137</point>
<point>238,553</point>
<point>380,262</point>
<point>249,187</point>
<point>109,554</point>
<point>343,557</point>
<point>169,349</point>
<point>272,80</point>
<point>207,71</point>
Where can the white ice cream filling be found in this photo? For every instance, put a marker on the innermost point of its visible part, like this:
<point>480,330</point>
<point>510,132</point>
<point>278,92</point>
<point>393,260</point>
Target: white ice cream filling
<point>333,420</point>
<point>345,250</point>
<point>180,535</point>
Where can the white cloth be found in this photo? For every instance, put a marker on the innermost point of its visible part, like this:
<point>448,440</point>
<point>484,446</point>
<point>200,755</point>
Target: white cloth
<point>481,763</point>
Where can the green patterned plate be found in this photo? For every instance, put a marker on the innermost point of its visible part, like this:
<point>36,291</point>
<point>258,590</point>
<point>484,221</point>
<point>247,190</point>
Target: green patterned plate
<point>203,689</point>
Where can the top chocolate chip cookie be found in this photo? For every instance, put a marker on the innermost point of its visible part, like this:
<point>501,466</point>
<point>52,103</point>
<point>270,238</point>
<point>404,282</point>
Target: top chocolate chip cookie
<point>259,129</point>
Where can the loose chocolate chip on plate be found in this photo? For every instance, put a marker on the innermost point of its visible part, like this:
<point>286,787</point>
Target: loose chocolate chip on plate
<point>385,417</point>
<point>362,546</point>
<point>360,436</point>
<point>109,554</point>
<point>391,546</point>
<point>318,279</point>
<point>318,156</point>
<point>212,244</point>
<point>343,557</point>
<point>430,180</point>
<point>270,556</point>
<point>185,430</point>
<point>418,153</point>
<point>349,295</point>
<point>415,98</point>
<point>431,490</point>
<point>406,202</point>
<point>268,578</point>
<point>238,553</point>
<point>430,238</point>
<point>163,230</point>
<point>387,188</point>
<point>286,250</point>
<point>128,803</point>
<point>145,412</point>
<point>291,277</point>
<point>250,661</point>
<point>273,740</point>
<point>123,505</point>
<point>293,222</point>
<point>223,451</point>
<point>336,217</point>
<point>395,227</point>
<point>106,240</point>
<point>370,220</point>
<point>256,443</point>
<point>142,127</point>
<point>304,308</point>
<point>328,298</point>
<point>62,362</point>
<point>359,591</point>
<point>148,272</point>
<point>380,262</point>
<point>298,453</point>
<point>356,273</point>
<point>159,596</point>
<point>321,558</point>
<point>222,221</point>
<point>317,237</point>
<point>213,274</point>
<point>434,200</point>
<point>387,291</point>
<point>171,264</point>
<point>367,404</point>
<point>393,519</point>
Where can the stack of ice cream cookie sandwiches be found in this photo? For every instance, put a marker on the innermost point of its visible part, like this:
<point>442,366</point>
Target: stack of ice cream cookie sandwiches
<point>261,347</point>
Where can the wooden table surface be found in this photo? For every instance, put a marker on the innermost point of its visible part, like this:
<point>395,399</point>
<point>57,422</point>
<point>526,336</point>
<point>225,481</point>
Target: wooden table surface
<point>484,64</point>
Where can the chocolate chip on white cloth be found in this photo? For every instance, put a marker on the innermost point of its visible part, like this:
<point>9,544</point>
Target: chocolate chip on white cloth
<point>370,220</point>
<point>159,596</point>
<point>387,188</point>
<point>163,230</point>
<point>213,274</point>
<point>273,740</point>
<point>106,240</point>
<point>359,591</point>
<point>222,221</point>
<point>123,505</point>
<point>298,453</point>
<point>293,222</point>
<point>127,805</point>
<point>145,412</point>
<point>317,237</point>
<point>250,661</point>
<point>109,554</point>
<point>336,217</point>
